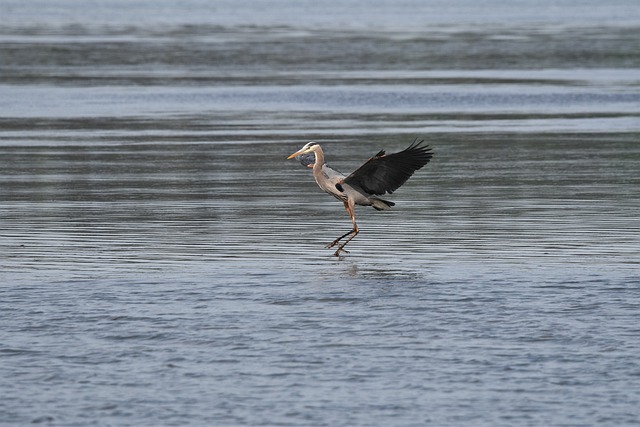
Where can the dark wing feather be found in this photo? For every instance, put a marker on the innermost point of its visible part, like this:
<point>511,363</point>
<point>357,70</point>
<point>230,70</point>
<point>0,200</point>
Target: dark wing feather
<point>385,173</point>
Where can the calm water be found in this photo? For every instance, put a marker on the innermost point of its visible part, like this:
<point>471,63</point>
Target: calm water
<point>164,264</point>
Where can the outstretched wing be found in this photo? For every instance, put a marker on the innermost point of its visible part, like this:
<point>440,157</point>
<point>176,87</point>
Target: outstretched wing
<point>384,174</point>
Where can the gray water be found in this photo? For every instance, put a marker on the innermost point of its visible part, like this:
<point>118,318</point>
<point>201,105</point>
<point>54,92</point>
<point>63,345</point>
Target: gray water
<point>162,263</point>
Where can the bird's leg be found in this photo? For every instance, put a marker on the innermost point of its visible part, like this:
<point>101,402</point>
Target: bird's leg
<point>350,206</point>
<point>335,242</point>
<point>341,248</point>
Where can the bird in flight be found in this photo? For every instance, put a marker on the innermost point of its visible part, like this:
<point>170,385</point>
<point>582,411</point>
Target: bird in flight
<point>379,175</point>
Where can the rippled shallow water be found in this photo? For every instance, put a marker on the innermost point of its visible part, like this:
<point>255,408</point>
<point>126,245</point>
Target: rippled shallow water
<point>164,264</point>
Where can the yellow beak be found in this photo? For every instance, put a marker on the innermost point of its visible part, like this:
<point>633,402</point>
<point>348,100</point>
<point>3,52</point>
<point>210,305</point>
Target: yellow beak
<point>297,153</point>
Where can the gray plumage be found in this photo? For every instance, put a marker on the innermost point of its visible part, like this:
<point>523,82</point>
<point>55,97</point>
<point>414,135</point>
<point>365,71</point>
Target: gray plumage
<point>379,175</point>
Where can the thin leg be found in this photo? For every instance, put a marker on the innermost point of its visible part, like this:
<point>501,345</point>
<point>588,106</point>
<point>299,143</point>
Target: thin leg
<point>350,206</point>
<point>341,248</point>
<point>335,242</point>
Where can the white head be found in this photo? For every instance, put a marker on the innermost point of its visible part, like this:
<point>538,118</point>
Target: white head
<point>309,147</point>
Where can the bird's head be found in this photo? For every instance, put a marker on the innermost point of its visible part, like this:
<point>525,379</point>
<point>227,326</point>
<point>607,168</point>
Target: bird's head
<point>309,147</point>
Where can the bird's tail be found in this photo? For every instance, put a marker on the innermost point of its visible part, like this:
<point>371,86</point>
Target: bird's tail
<point>380,205</point>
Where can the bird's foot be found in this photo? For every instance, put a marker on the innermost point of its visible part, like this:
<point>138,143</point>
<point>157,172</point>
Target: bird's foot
<point>337,253</point>
<point>332,244</point>
<point>335,242</point>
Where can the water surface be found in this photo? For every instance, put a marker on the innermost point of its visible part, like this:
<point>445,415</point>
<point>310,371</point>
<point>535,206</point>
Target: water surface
<point>164,264</point>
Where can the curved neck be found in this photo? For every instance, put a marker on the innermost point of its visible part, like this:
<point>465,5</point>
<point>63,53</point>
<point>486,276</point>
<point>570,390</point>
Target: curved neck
<point>319,158</point>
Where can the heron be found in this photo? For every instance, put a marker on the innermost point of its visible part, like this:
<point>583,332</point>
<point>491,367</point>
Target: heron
<point>381,174</point>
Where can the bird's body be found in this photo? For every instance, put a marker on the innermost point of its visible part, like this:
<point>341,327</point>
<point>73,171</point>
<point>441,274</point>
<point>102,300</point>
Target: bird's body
<point>333,182</point>
<point>381,174</point>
